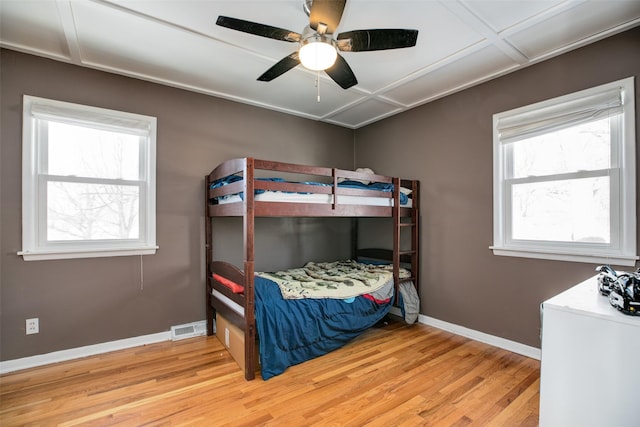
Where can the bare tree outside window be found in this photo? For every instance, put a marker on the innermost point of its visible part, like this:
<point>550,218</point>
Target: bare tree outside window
<point>562,208</point>
<point>93,191</point>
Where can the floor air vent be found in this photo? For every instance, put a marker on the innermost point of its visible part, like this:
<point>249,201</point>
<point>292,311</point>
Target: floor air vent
<point>189,330</point>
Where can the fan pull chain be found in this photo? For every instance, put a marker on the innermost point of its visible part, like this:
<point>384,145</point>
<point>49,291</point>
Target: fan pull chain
<point>318,83</point>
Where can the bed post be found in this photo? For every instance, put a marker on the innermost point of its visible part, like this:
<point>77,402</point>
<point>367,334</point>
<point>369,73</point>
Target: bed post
<point>396,236</point>
<point>249,270</point>
<point>208,256</point>
<point>415,235</point>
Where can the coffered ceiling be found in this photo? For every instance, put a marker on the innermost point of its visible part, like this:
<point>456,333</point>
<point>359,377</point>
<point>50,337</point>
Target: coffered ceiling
<point>177,43</point>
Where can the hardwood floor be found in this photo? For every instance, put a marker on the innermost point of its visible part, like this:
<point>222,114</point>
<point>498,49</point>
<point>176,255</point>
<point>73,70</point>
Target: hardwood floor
<point>396,375</point>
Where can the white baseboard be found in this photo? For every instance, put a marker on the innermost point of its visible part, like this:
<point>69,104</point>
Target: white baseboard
<point>493,340</point>
<point>91,350</point>
<point>79,352</point>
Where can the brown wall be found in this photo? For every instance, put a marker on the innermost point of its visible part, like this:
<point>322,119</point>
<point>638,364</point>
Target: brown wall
<point>447,145</point>
<point>88,301</point>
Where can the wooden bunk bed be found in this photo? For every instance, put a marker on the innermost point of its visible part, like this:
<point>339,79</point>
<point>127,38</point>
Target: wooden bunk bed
<point>230,290</point>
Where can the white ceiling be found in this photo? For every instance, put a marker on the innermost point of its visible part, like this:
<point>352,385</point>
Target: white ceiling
<point>176,42</point>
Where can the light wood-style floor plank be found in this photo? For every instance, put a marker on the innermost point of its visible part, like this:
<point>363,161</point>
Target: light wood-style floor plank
<point>394,375</point>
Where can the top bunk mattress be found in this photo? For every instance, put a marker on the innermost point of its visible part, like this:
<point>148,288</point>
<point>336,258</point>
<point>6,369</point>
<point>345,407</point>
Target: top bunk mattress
<point>278,196</point>
<point>317,198</point>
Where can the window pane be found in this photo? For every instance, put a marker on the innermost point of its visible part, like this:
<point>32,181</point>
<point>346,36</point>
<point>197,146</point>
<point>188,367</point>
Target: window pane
<point>574,210</point>
<point>94,153</point>
<point>79,211</point>
<point>582,147</point>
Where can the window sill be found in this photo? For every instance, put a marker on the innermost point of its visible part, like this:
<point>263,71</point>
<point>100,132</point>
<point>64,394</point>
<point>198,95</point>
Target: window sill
<point>594,258</point>
<point>86,253</point>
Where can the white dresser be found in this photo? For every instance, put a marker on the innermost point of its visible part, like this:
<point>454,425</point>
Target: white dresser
<point>590,369</point>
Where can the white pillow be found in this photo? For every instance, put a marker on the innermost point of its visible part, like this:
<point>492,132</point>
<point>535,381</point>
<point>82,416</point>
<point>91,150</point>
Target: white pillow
<point>362,181</point>
<point>364,170</point>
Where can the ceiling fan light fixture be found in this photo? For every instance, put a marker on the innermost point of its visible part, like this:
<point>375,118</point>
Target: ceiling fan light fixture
<point>318,53</point>
<point>318,50</point>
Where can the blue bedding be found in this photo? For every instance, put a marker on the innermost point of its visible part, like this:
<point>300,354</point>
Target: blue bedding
<point>293,331</point>
<point>379,186</point>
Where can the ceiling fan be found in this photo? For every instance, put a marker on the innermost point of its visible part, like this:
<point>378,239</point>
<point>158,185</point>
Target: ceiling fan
<point>318,49</point>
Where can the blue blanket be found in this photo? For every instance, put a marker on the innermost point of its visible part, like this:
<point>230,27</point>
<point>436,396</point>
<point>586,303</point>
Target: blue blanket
<point>379,186</point>
<point>293,331</point>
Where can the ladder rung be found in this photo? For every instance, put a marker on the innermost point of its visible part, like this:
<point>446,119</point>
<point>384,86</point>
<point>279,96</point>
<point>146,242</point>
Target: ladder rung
<point>412,252</point>
<point>407,224</point>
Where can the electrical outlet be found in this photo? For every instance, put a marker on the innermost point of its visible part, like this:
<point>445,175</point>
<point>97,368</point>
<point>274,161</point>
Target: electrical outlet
<point>33,326</point>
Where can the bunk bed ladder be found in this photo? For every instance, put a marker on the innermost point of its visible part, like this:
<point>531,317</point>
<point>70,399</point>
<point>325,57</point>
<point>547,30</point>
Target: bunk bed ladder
<point>208,255</point>
<point>400,253</point>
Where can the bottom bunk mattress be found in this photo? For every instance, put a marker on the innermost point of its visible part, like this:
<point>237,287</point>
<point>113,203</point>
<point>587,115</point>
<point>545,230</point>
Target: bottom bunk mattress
<point>297,329</point>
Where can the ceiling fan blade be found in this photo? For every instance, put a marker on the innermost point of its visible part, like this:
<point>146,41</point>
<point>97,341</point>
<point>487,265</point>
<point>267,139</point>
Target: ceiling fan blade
<point>281,67</point>
<point>367,40</point>
<point>327,12</point>
<point>341,73</point>
<point>258,29</point>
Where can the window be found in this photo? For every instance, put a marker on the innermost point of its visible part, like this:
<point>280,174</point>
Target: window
<point>88,181</point>
<point>564,177</point>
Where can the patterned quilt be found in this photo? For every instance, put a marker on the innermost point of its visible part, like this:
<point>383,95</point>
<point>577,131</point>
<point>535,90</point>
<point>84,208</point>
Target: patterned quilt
<point>338,280</point>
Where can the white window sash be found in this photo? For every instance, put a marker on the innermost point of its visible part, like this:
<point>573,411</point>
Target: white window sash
<point>614,197</point>
<point>46,244</point>
<point>562,177</point>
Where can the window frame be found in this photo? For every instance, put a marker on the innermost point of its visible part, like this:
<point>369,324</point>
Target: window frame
<point>36,113</point>
<point>622,249</point>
